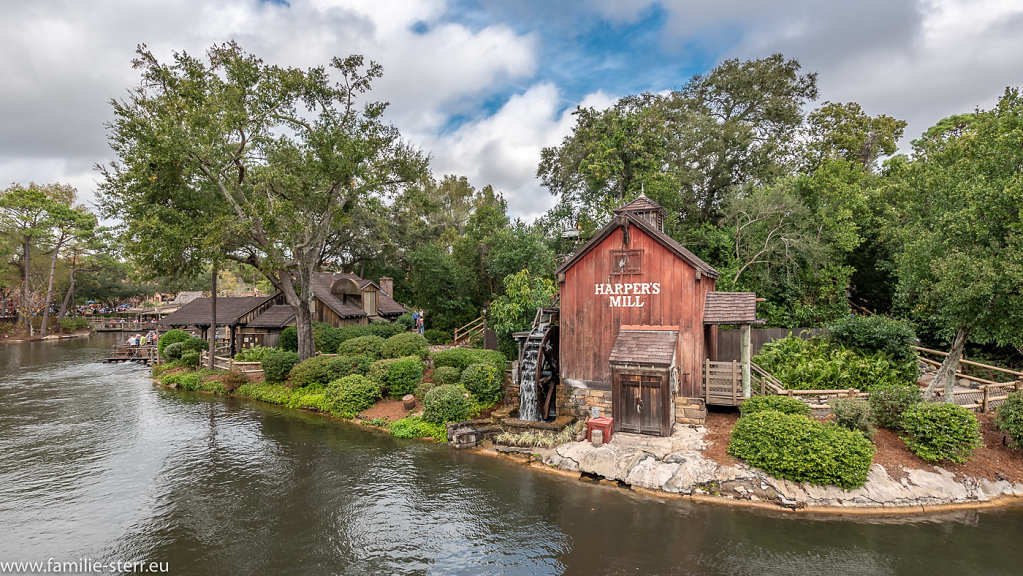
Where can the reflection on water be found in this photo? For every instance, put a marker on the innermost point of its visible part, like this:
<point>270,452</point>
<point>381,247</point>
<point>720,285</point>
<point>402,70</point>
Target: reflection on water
<point>96,462</point>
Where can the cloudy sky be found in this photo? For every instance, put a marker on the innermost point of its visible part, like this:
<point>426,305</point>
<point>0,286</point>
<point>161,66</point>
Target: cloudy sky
<point>483,85</point>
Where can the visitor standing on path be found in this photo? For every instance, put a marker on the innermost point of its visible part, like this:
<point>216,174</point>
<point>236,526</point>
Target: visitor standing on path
<point>422,321</point>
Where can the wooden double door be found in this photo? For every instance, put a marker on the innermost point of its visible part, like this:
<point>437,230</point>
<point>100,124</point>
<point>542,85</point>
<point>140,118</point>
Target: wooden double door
<point>641,401</point>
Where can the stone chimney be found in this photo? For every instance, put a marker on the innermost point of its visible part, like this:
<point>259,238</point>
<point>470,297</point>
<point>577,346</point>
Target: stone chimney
<point>387,286</point>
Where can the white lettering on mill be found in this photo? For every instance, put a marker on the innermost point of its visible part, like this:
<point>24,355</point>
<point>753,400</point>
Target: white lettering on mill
<point>627,295</point>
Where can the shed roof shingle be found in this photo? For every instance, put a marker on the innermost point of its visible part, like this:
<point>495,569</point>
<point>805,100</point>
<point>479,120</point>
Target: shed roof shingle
<point>650,347</point>
<point>730,308</point>
<point>197,312</point>
<point>274,317</point>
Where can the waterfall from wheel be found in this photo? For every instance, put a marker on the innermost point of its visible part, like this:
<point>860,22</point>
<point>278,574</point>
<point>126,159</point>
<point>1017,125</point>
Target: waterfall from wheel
<point>539,373</point>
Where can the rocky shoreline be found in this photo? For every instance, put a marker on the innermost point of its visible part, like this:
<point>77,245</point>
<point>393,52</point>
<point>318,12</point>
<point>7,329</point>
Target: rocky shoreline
<point>675,466</point>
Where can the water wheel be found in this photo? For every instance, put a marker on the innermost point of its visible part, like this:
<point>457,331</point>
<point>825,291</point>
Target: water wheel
<point>548,373</point>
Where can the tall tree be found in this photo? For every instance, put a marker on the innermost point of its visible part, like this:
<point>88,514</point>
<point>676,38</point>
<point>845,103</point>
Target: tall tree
<point>288,153</point>
<point>960,230</point>
<point>66,223</point>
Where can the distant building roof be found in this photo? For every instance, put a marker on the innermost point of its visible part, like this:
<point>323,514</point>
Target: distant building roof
<point>731,308</point>
<point>197,312</point>
<point>648,347</point>
<point>186,297</point>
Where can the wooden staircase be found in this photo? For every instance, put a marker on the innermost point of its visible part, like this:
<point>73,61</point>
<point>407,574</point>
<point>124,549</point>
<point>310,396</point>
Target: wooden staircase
<point>463,336</point>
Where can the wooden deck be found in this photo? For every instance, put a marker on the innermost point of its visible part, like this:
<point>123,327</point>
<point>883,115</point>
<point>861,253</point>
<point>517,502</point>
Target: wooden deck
<point>143,354</point>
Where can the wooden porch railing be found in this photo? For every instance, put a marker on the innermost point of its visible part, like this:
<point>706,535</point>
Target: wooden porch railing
<point>225,363</point>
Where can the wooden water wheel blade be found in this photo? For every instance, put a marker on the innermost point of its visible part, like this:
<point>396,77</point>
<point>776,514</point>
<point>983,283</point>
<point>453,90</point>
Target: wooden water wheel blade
<point>547,403</point>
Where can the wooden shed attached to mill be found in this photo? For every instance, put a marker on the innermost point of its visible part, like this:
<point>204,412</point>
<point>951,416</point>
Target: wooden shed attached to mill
<point>638,323</point>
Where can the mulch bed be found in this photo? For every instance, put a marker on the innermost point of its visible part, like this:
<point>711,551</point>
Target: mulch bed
<point>993,460</point>
<point>388,409</point>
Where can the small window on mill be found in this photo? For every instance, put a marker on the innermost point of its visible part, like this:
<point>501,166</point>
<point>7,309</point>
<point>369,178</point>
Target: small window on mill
<point>626,261</point>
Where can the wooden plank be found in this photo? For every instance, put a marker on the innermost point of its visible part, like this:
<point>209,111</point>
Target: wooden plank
<point>967,362</point>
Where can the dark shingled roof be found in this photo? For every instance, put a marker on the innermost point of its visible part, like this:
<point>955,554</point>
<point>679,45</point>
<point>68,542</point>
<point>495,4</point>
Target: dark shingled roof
<point>641,204</point>
<point>647,347</point>
<point>731,308</point>
<point>197,312</point>
<point>274,317</point>
<point>322,281</point>
<point>668,242</point>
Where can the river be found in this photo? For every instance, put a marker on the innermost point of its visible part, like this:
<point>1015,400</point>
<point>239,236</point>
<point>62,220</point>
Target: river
<point>97,463</point>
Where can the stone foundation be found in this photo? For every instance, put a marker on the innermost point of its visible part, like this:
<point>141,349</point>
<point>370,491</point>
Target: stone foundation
<point>690,410</point>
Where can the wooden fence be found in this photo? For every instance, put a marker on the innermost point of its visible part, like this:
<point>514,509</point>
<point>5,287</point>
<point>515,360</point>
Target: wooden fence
<point>224,363</point>
<point>722,383</point>
<point>986,394</point>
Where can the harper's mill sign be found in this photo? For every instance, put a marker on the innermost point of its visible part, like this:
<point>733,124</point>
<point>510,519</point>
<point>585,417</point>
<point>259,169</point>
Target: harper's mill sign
<point>629,295</point>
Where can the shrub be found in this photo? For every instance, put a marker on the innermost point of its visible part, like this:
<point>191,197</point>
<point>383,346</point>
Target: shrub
<point>289,339</point>
<point>437,336</point>
<point>782,404</point>
<point>818,364</point>
<point>172,336</point>
<point>233,379</point>
<point>325,337</point>
<point>190,359</point>
<point>853,414</point>
<point>416,427</point>
<point>446,375</point>
<point>888,403</point>
<point>314,371</point>
<point>255,354</point>
<point>483,381</point>
<point>315,401</point>
<point>362,346</point>
<point>943,431</point>
<point>266,392</point>
<point>277,365</point>
<point>386,330</point>
<point>350,395</point>
<point>461,358</point>
<point>1009,418</point>
<point>405,321</point>
<point>797,448</point>
<point>400,376</point>
<point>346,333</point>
<point>405,344</point>
<point>172,351</point>
<point>194,345</point>
<point>73,324</point>
<point>869,334</point>
<point>447,404</point>
<point>424,388</point>
<point>341,366</point>
<point>182,381</point>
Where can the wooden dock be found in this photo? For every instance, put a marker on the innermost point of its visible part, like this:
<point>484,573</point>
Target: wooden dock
<point>142,354</point>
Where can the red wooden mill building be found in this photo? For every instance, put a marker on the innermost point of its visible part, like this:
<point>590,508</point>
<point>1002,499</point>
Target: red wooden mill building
<point>638,326</point>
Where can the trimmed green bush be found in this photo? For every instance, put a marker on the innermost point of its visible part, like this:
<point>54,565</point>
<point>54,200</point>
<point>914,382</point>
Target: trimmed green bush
<point>483,381</point>
<point>819,364</point>
<point>461,358</point>
<point>782,404</point>
<point>194,345</point>
<point>172,336</point>
<point>325,337</point>
<point>800,449</point>
<point>346,333</point>
<point>266,392</point>
<point>386,330</point>
<point>438,336</point>
<point>853,414</point>
<point>405,321</point>
<point>341,366</point>
<point>350,395</point>
<point>870,334</point>
<point>942,431</point>
<point>314,371</point>
<point>289,339</point>
<point>400,376</point>
<point>189,381</point>
<point>190,359</point>
<point>1009,418</point>
<point>73,324</point>
<point>405,344</point>
<point>416,427</point>
<point>277,365</point>
<point>368,346</point>
<point>173,351</point>
<point>255,354</point>
<point>424,388</point>
<point>889,403</point>
<point>446,375</point>
<point>447,404</point>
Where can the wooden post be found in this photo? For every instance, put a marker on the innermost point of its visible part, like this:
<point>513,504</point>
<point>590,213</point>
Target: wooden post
<point>852,392</point>
<point>735,380</point>
<point>983,406</point>
<point>706,379</point>
<point>745,353</point>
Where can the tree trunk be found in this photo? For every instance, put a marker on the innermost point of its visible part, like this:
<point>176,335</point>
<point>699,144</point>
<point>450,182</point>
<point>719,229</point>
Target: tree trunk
<point>49,285</point>
<point>69,296</point>
<point>26,309</point>
<point>303,308</point>
<point>946,374</point>
<point>213,318</point>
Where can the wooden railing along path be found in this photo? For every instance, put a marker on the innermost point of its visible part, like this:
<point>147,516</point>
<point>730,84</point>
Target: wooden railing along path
<point>988,393</point>
<point>463,335</point>
<point>225,363</point>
